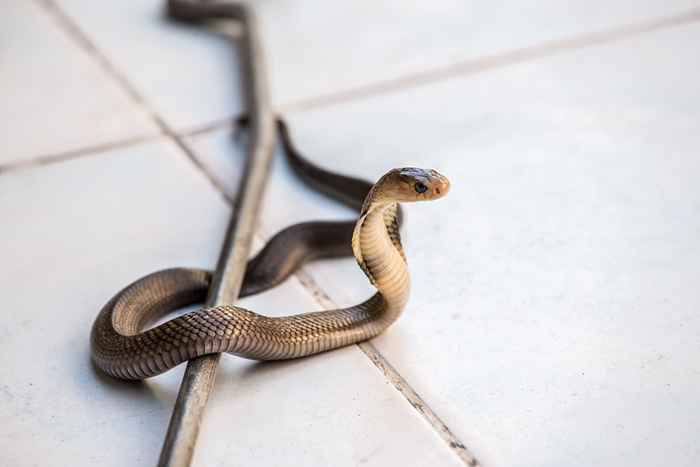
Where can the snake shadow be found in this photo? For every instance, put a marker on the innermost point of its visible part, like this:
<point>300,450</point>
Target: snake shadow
<point>138,389</point>
<point>115,383</point>
<point>257,369</point>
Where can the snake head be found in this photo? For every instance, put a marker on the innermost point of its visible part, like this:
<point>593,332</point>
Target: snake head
<point>409,184</point>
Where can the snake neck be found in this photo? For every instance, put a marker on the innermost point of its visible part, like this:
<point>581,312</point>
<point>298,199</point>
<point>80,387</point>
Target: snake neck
<point>377,247</point>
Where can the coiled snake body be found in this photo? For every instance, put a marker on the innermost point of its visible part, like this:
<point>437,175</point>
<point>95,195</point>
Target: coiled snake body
<point>121,349</point>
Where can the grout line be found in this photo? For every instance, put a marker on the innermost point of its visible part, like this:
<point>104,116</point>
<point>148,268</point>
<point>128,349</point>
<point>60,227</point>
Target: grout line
<point>489,62</point>
<point>209,127</point>
<point>190,153</point>
<point>413,398</point>
<point>54,158</point>
<point>465,68</point>
<point>394,377</point>
<point>74,31</point>
<point>369,90</point>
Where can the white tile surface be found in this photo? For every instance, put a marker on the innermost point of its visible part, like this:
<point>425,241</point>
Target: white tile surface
<point>187,74</point>
<point>554,311</point>
<point>332,409</point>
<point>56,98</point>
<point>319,47</point>
<point>81,230</point>
<point>316,47</point>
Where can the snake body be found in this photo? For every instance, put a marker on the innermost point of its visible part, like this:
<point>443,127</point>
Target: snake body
<point>121,349</point>
<point>301,243</point>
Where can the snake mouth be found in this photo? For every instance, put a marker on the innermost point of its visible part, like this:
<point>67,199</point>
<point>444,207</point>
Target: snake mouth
<point>439,184</point>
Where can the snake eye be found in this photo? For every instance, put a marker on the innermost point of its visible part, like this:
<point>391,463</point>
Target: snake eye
<point>420,188</point>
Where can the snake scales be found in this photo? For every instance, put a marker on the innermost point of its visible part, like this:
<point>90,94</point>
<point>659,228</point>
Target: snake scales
<point>121,349</point>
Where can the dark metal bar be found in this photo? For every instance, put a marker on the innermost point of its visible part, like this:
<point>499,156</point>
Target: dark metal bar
<point>198,380</point>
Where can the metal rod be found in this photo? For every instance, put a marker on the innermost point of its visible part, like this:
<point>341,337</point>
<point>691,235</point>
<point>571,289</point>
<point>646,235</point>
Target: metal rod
<point>198,380</point>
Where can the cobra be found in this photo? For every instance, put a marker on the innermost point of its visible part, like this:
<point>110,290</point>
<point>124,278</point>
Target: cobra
<point>122,349</point>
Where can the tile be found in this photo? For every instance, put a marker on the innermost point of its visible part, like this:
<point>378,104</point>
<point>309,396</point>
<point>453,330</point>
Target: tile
<point>332,409</point>
<point>187,74</point>
<point>83,229</point>
<point>335,408</point>
<point>315,48</point>
<point>57,98</point>
<point>553,312</point>
<point>318,47</point>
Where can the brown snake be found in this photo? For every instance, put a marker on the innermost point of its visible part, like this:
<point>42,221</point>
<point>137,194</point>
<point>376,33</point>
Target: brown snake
<point>121,349</point>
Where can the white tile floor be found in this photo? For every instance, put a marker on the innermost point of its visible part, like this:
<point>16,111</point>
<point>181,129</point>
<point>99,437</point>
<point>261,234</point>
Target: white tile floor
<point>554,311</point>
<point>45,78</point>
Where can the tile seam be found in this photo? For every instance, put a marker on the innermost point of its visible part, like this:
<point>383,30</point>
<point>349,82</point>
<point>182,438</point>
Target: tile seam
<point>489,62</point>
<point>73,30</point>
<point>394,377</point>
<point>464,68</point>
<point>78,153</point>
<point>372,89</point>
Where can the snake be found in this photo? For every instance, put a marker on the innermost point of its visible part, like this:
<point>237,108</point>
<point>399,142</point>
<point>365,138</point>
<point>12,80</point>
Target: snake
<point>122,347</point>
